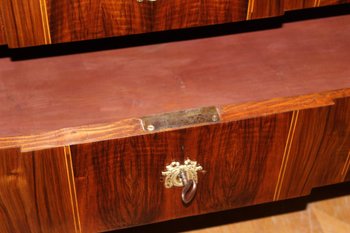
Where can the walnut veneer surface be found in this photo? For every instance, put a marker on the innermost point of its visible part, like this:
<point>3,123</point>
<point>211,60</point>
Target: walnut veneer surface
<point>222,149</point>
<point>38,22</point>
<point>2,32</point>
<point>36,192</point>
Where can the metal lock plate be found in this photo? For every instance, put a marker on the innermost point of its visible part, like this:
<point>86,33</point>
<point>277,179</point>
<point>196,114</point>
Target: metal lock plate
<point>180,119</point>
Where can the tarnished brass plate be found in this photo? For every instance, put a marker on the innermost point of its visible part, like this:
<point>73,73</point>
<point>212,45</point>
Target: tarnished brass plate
<point>180,119</point>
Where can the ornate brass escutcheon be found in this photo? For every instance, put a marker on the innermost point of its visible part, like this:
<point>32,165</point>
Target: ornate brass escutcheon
<point>185,175</point>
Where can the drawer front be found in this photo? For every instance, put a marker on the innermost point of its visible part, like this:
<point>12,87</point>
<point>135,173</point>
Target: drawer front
<point>331,2</point>
<point>85,19</point>
<point>300,4</point>
<point>24,24</point>
<point>38,22</point>
<point>265,8</point>
<point>81,20</point>
<point>118,182</point>
<point>176,14</point>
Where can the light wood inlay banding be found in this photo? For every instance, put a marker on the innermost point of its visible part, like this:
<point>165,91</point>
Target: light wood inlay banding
<point>45,22</point>
<point>250,9</point>
<point>286,155</point>
<point>72,190</point>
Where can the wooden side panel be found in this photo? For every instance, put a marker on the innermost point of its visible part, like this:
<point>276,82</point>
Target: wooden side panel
<point>85,19</point>
<point>319,150</point>
<point>35,192</point>
<point>265,8</point>
<point>182,13</point>
<point>332,2</point>
<point>299,4</point>
<point>119,181</point>
<point>26,22</point>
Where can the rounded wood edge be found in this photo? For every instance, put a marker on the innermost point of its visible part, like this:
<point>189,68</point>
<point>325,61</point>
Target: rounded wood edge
<point>280,105</point>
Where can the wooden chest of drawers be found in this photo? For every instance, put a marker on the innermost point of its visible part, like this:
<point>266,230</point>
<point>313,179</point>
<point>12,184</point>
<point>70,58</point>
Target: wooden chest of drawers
<point>85,139</point>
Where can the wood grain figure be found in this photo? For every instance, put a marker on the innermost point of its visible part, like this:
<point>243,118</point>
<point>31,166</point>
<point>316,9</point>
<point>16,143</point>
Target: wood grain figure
<point>119,181</point>
<point>264,8</point>
<point>39,22</point>
<point>299,4</point>
<point>183,14</point>
<point>26,22</point>
<point>319,150</point>
<point>84,19</point>
<point>36,192</point>
<point>76,152</point>
<point>2,31</point>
